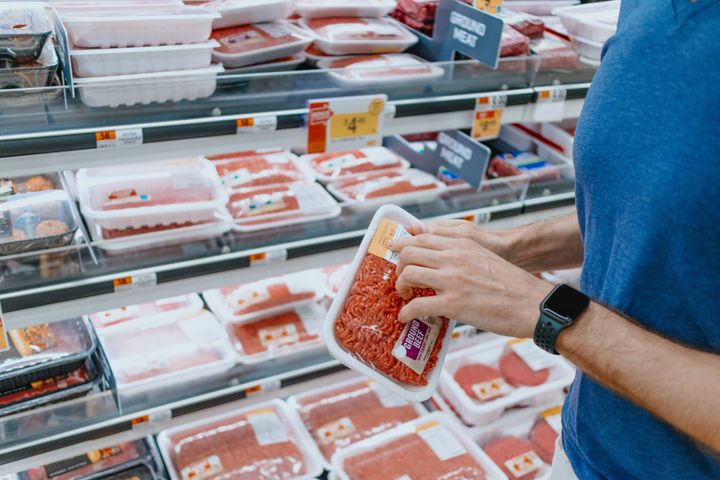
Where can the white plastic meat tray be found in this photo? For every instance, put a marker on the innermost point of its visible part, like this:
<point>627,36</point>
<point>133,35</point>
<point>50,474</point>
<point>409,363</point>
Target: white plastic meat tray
<point>344,8</point>
<point>592,21</point>
<point>246,12</point>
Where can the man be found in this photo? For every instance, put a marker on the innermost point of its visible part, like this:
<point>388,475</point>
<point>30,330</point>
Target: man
<point>646,403</point>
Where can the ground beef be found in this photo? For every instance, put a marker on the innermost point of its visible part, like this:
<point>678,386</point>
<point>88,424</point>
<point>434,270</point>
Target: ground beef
<point>246,204</point>
<point>152,192</point>
<point>383,184</point>
<point>350,162</point>
<point>529,25</point>
<point>273,332</point>
<point>251,171</point>
<point>108,234</point>
<point>254,297</point>
<point>517,372</point>
<point>471,374</point>
<point>249,38</point>
<point>503,449</point>
<point>367,326</point>
<point>513,43</point>
<point>543,438</point>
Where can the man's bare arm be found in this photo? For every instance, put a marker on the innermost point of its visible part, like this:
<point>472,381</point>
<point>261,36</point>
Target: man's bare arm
<point>678,384</point>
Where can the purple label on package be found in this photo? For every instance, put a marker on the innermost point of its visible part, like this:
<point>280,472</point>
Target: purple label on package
<point>416,342</point>
<point>414,338</point>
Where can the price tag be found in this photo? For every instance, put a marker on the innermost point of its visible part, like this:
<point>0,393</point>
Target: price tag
<point>345,123</point>
<point>151,418</point>
<point>488,117</point>
<point>4,343</point>
<point>267,386</point>
<point>489,6</point>
<point>133,282</point>
<point>125,137</point>
<point>256,124</point>
<point>267,258</point>
<point>550,105</point>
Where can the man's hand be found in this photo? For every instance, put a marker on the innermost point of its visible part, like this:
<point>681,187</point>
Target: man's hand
<point>473,285</point>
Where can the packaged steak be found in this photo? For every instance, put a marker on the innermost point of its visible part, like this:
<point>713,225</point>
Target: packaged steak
<point>529,25</point>
<point>165,193</point>
<point>261,442</point>
<point>343,8</point>
<point>341,415</point>
<point>36,221</point>
<point>482,381</point>
<point>555,54</point>
<point>398,186</point>
<point>181,305</point>
<point>244,12</point>
<point>239,170</point>
<point>362,330</point>
<point>513,43</point>
<point>278,335</point>
<point>280,205</point>
<point>43,351</point>
<point>347,163</point>
<point>29,184</point>
<point>153,353</point>
<point>249,301</point>
<point>426,27</point>
<point>348,35</point>
<point>252,44</point>
<point>433,446</point>
<point>387,68</point>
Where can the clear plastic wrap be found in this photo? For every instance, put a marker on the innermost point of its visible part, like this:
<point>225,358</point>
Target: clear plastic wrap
<point>262,442</point>
<point>555,53</point>
<point>244,12</point>
<point>389,68</point>
<point>284,64</point>
<point>396,186</point>
<point>348,35</point>
<point>517,163</point>
<point>239,170</point>
<point>24,29</point>
<point>253,44</point>
<point>29,184</point>
<point>31,73</point>
<point>182,305</point>
<point>335,276</point>
<point>341,415</point>
<point>513,43</point>
<point>336,165</point>
<point>595,22</point>
<point>515,456</point>
<point>343,8</point>
<point>529,25</point>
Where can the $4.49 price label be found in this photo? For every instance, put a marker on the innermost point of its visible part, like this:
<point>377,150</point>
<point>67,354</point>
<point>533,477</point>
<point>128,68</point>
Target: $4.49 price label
<point>489,6</point>
<point>345,123</point>
<point>488,117</point>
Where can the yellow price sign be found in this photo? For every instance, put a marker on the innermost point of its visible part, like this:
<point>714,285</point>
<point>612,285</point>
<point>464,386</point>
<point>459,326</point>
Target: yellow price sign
<point>489,6</point>
<point>487,125</point>
<point>360,124</point>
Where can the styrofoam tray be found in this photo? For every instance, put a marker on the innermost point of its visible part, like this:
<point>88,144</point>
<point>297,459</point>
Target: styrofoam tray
<point>588,61</point>
<point>146,88</point>
<point>473,412</point>
<point>102,62</point>
<point>413,393</point>
<point>588,48</point>
<point>245,12</point>
<point>344,8</point>
<point>381,157</point>
<point>179,307</point>
<point>557,133</point>
<point>385,69</point>
<point>94,26</point>
<point>202,176</point>
<point>280,65</point>
<point>538,7</point>
<point>329,38</point>
<point>314,55</point>
<point>231,39</point>
<point>593,21</point>
<point>433,420</point>
<point>312,458</point>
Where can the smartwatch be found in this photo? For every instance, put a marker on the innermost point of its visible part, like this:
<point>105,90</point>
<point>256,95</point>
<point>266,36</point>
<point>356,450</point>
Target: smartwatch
<point>558,311</point>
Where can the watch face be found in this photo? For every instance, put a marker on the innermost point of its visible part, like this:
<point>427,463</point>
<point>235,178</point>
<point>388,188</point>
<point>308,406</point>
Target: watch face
<point>566,302</point>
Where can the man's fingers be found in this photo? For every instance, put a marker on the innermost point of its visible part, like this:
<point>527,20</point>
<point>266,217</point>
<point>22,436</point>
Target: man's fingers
<point>417,256</point>
<point>424,240</point>
<point>417,277</point>
<point>422,307</point>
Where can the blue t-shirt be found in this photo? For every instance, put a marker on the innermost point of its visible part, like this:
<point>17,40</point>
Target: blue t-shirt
<point>647,154</point>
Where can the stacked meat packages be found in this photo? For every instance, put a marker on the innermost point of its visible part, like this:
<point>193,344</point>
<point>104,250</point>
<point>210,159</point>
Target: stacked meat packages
<point>125,52</point>
<point>589,27</point>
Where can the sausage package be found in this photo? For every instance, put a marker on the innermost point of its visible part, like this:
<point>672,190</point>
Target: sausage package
<point>361,329</point>
<point>241,170</point>
<point>397,186</point>
<point>480,382</point>
<point>347,163</point>
<point>264,441</point>
<point>433,446</point>
<point>343,8</point>
<point>388,68</point>
<point>349,35</point>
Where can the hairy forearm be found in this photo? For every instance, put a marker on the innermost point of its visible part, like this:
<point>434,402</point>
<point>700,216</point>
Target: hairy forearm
<point>678,384</point>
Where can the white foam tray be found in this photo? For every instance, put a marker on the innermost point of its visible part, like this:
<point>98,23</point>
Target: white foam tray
<point>593,21</point>
<point>350,47</point>
<point>246,12</point>
<point>344,8</point>
<point>292,63</point>
<point>358,74</point>
<point>587,48</point>
<point>267,54</point>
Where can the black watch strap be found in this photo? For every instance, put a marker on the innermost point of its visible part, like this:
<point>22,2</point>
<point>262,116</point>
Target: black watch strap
<point>546,333</point>
<point>558,311</point>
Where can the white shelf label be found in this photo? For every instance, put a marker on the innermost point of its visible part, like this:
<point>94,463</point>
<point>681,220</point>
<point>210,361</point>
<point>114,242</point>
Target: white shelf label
<point>267,258</point>
<point>151,419</point>
<point>266,386</point>
<point>132,282</point>
<point>348,123</point>
<point>250,125</point>
<point>550,105</point>
<point>125,137</point>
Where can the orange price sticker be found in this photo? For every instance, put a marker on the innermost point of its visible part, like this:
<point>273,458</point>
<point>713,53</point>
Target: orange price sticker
<point>245,122</point>
<point>488,117</point>
<point>4,344</point>
<point>106,135</point>
<point>122,282</point>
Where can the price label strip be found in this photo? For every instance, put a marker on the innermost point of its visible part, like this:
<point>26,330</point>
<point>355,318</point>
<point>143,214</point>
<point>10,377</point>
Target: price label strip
<point>345,123</point>
<point>267,258</point>
<point>268,386</point>
<point>125,137</point>
<point>250,125</point>
<point>132,282</point>
<point>488,117</point>
<point>489,6</point>
<point>550,105</point>
<point>150,419</point>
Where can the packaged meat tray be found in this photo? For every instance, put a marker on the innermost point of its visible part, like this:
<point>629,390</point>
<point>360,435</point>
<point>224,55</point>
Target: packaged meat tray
<point>343,8</point>
<point>314,55</point>
<point>555,53</point>
<point>24,30</point>
<point>529,25</point>
<point>482,381</point>
<point>160,352</point>
<point>348,35</point>
<point>513,43</point>
<point>244,12</point>
<point>178,307</point>
<point>385,69</point>
<point>278,335</point>
<point>339,165</point>
<point>587,48</point>
<point>240,170</point>
<point>44,350</point>
<point>262,442</point>
<point>433,446</point>
<point>139,472</point>
<point>389,186</point>
<point>562,134</point>
<point>361,329</point>
<point>104,62</point>
<point>541,8</point>
<point>147,88</point>
<point>425,27</point>
<point>253,44</point>
<point>250,301</point>
<point>420,10</point>
<point>163,194</point>
<point>343,414</point>
<point>32,73</point>
<point>117,26</point>
<point>595,22</point>
<point>284,64</point>
<point>334,279</point>
<point>281,205</point>
<point>30,184</point>
<point>36,221</point>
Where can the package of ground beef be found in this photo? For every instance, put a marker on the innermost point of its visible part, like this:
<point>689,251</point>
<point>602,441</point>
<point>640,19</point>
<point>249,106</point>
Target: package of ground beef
<point>181,305</point>
<point>252,44</point>
<point>555,53</point>
<point>483,380</point>
<point>344,414</point>
<point>433,446</point>
<point>387,68</point>
<point>529,25</point>
<point>513,43</point>
<point>362,330</point>
<point>350,35</point>
<point>343,8</point>
<point>240,170</point>
<point>347,163</point>
<point>397,186</point>
<point>261,442</point>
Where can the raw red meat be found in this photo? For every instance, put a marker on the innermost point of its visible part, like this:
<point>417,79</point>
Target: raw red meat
<point>425,27</point>
<point>148,309</point>
<point>108,234</point>
<point>472,378</point>
<point>518,373</point>
<point>248,203</point>
<point>239,449</point>
<point>248,38</point>
<point>150,192</point>
<point>88,464</point>
<point>529,25</point>
<point>505,449</point>
<point>241,171</point>
<point>253,297</point>
<point>273,332</point>
<point>543,438</point>
<point>421,10</point>
<point>555,54</point>
<point>45,387</point>
<point>383,184</point>
<point>513,43</point>
<point>340,417</point>
<point>344,28</point>
<point>350,162</point>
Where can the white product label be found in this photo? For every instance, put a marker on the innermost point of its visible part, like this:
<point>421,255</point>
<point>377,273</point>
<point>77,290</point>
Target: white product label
<point>181,299</point>
<point>245,297</point>
<point>267,427</point>
<point>491,389</point>
<point>124,137</point>
<point>266,386</point>
<point>209,467</point>
<point>524,464</point>
<point>125,197</point>
<point>199,329</point>
<point>441,441</point>
<point>416,342</point>
<point>256,124</point>
<point>550,105</point>
<point>330,432</point>
<point>134,282</point>
<point>534,357</point>
<point>278,336</point>
<point>386,233</point>
<point>151,419</point>
<point>388,399</point>
<point>188,182</point>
